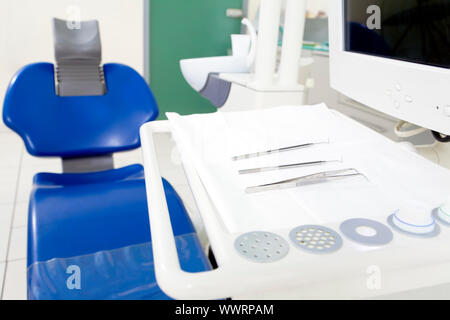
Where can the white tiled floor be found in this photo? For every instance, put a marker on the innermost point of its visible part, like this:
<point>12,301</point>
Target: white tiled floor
<point>20,214</point>
<point>2,274</point>
<point>12,277</point>
<point>6,214</point>
<point>18,244</point>
<point>17,169</point>
<point>15,283</point>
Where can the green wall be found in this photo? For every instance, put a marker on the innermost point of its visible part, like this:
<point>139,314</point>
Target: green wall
<point>181,29</point>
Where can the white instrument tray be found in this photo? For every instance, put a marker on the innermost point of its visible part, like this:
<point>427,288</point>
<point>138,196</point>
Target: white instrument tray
<point>354,271</point>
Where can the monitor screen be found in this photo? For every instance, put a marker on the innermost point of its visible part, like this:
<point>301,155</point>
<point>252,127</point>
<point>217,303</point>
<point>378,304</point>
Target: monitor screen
<point>409,30</point>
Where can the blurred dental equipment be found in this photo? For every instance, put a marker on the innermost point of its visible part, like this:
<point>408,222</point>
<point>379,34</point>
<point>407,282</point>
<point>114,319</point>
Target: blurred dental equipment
<point>251,78</point>
<point>197,71</point>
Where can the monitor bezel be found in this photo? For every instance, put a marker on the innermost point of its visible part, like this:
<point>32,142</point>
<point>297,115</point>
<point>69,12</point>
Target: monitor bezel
<point>417,93</point>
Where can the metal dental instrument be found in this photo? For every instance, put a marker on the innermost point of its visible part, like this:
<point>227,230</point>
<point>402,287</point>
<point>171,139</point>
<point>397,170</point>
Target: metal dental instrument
<point>287,166</point>
<point>312,178</point>
<point>267,152</point>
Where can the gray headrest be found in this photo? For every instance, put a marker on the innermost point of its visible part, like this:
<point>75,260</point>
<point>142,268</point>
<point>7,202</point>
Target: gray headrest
<point>77,44</point>
<point>78,56</point>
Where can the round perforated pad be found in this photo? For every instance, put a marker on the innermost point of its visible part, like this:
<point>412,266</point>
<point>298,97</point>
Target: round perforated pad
<point>438,218</point>
<point>260,246</point>
<point>316,239</point>
<point>383,235</point>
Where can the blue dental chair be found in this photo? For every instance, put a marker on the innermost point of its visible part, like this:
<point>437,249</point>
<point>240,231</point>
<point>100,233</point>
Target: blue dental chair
<point>88,228</point>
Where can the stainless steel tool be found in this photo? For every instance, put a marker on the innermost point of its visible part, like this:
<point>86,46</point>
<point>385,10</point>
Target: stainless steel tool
<point>267,152</point>
<point>308,179</point>
<point>287,166</point>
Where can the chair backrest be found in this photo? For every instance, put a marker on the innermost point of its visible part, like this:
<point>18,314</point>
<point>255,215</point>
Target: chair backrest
<point>51,125</point>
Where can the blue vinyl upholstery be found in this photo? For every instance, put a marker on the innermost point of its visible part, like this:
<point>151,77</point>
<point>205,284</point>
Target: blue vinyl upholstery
<point>51,125</point>
<point>90,212</point>
<point>99,222</point>
<point>97,219</point>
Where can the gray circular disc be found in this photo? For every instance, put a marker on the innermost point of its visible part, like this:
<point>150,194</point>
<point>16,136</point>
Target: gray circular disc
<point>438,218</point>
<point>260,246</point>
<point>382,236</point>
<point>315,239</point>
<point>432,234</point>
